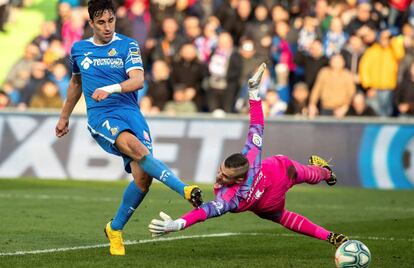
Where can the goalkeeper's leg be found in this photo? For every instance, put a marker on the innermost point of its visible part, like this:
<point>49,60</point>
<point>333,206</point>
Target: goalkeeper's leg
<point>310,174</point>
<point>300,224</point>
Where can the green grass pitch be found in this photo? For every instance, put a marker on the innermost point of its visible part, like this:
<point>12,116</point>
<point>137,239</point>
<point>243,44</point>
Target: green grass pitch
<point>44,214</point>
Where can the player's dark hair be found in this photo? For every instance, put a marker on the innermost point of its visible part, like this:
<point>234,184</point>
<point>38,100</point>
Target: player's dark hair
<point>239,162</point>
<point>97,7</point>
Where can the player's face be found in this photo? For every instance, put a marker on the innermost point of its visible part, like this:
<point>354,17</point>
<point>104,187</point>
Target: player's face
<point>227,176</point>
<point>103,27</point>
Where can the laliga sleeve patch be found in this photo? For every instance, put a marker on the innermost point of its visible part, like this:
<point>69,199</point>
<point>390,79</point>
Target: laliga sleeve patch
<point>257,140</point>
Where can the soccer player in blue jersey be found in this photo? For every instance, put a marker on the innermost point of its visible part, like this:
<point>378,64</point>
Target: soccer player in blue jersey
<point>108,69</point>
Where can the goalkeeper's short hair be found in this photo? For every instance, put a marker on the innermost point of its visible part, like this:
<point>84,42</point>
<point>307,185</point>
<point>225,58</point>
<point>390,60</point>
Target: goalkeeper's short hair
<point>239,163</point>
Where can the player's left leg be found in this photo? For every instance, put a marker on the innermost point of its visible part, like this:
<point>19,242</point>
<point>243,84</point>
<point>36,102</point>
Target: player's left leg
<point>300,224</point>
<point>133,196</point>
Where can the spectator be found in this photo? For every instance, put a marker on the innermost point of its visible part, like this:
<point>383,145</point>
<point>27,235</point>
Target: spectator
<point>192,28</point>
<point>308,34</point>
<point>169,45</point>
<point>272,105</point>
<point>47,96</point>
<point>146,106</point>
<point>208,41</point>
<point>281,50</point>
<point>37,79</point>
<point>19,74</point>
<point>190,72</point>
<point>335,38</point>
<point>359,106</point>
<point>224,69</point>
<point>123,24</point>
<point>59,75</point>
<point>4,4</point>
<point>362,21</point>
<point>47,33</point>
<point>334,88</point>
<point>72,29</point>
<point>312,63</point>
<point>298,105</point>
<point>378,72</point>
<point>404,95</point>
<point>260,30</point>
<point>54,52</point>
<point>282,82</point>
<point>244,10</point>
<point>352,54</point>
<point>159,86</point>
<point>398,12</point>
<point>13,94</point>
<point>408,40</point>
<point>4,100</point>
<point>182,101</point>
<point>279,13</point>
<point>141,20</point>
<point>322,15</point>
<point>227,15</point>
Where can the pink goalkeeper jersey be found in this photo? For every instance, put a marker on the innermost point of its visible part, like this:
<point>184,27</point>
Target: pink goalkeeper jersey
<point>249,194</point>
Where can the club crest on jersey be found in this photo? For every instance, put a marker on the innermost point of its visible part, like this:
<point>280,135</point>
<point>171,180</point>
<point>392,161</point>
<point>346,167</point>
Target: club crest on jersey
<point>112,52</point>
<point>257,140</point>
<point>114,130</point>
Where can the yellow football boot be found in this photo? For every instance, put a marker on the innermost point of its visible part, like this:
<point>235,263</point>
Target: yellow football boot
<point>116,243</point>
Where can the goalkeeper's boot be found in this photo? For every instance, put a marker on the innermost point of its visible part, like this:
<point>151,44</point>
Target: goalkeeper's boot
<point>192,193</point>
<point>337,239</point>
<point>320,162</point>
<point>116,243</point>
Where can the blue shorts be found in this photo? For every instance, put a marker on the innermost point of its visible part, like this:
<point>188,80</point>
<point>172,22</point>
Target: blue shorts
<point>106,128</point>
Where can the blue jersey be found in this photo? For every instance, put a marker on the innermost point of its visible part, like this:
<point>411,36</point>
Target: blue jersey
<point>103,65</point>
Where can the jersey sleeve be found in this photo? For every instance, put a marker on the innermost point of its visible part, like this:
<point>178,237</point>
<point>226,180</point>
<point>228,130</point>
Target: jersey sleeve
<point>73,64</point>
<point>133,58</point>
<point>253,147</point>
<point>211,209</point>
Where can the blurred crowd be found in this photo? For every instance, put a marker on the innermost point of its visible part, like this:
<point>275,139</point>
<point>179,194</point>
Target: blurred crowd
<point>336,58</point>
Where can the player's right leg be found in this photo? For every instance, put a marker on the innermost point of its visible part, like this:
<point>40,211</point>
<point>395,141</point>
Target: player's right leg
<point>133,196</point>
<point>131,146</point>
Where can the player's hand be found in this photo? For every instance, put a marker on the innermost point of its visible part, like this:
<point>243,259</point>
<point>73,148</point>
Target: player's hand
<point>99,95</point>
<point>165,225</point>
<point>254,82</point>
<point>62,127</point>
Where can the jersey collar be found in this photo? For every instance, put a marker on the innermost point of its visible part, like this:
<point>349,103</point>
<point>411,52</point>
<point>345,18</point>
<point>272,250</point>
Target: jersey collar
<point>115,37</point>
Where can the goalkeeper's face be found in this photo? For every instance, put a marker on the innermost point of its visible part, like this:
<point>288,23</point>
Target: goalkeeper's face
<point>230,176</point>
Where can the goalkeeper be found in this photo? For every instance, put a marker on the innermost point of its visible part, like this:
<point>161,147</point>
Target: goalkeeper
<point>246,183</point>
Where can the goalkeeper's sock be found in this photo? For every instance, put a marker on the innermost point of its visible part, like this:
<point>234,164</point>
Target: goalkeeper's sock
<point>310,174</point>
<point>157,169</point>
<point>133,196</point>
<point>302,225</point>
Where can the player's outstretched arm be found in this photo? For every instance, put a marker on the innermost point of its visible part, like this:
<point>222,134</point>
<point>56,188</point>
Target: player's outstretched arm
<point>135,82</point>
<point>74,93</point>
